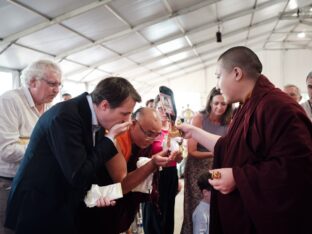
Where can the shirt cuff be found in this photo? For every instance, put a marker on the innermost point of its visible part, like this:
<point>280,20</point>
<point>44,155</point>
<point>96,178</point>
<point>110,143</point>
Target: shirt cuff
<point>111,138</point>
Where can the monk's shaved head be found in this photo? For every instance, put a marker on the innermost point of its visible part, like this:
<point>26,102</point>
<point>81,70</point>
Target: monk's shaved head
<point>146,126</point>
<point>148,117</point>
<point>146,114</point>
<point>243,58</point>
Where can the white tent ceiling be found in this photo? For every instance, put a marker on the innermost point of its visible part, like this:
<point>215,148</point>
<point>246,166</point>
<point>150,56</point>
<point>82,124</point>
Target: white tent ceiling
<point>145,41</point>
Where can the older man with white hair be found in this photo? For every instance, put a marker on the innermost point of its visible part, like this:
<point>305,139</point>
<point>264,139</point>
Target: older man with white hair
<point>20,110</point>
<point>307,106</point>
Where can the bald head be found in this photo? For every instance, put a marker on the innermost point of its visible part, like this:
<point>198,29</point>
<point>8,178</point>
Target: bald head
<point>146,126</point>
<point>243,58</point>
<point>148,115</point>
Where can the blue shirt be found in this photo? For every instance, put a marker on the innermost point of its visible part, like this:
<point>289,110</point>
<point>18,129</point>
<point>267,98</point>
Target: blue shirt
<point>200,218</point>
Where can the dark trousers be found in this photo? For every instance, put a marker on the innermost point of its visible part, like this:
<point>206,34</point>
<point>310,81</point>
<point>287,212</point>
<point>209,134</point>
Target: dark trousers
<point>159,218</point>
<point>5,186</point>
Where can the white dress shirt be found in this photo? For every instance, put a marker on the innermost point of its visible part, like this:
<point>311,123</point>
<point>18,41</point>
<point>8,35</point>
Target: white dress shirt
<point>307,106</point>
<point>18,117</point>
<point>95,123</point>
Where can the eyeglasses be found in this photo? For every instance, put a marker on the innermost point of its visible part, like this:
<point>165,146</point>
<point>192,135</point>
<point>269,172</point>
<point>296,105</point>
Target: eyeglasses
<point>53,84</point>
<point>149,134</point>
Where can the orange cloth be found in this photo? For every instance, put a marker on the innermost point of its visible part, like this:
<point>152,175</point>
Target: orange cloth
<point>125,144</point>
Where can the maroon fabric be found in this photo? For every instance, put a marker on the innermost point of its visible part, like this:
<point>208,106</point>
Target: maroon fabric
<point>269,147</point>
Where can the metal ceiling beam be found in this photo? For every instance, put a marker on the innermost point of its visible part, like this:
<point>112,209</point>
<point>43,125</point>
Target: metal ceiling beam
<point>130,26</point>
<point>214,58</point>
<point>206,42</point>
<point>49,22</point>
<point>183,31</point>
<point>176,36</point>
<point>187,33</point>
<point>138,27</point>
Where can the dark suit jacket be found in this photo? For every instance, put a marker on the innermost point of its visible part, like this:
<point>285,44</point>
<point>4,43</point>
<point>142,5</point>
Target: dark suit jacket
<point>118,218</point>
<point>57,170</point>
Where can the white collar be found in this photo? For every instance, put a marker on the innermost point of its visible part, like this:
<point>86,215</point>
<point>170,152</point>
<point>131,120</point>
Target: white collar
<point>28,96</point>
<point>95,122</point>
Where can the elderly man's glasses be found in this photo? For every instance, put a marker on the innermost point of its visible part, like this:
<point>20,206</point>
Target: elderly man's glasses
<point>149,134</point>
<point>53,84</point>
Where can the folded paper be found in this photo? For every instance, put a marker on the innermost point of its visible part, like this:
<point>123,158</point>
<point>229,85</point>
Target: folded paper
<point>112,192</point>
<point>146,185</point>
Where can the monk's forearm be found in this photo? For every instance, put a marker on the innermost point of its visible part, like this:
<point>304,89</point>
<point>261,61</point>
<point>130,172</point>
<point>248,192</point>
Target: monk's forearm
<point>199,154</point>
<point>206,139</point>
<point>137,176</point>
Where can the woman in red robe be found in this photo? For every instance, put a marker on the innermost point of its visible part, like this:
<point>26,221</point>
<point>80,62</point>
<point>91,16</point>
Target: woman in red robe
<point>265,160</point>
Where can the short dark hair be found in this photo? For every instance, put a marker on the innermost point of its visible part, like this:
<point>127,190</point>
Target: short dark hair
<point>66,94</point>
<point>149,101</point>
<point>244,58</point>
<point>115,90</point>
<point>203,183</point>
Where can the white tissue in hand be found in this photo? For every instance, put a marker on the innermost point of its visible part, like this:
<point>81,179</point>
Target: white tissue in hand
<point>146,185</point>
<point>112,192</point>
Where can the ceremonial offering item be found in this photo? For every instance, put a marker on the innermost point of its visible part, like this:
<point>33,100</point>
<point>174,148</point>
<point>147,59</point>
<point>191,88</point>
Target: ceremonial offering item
<point>214,175</point>
<point>174,140</point>
<point>167,100</point>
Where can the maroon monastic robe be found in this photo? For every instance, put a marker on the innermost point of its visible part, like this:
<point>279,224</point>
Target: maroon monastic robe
<point>269,147</point>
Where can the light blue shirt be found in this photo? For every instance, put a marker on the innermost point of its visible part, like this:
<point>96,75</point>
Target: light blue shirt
<point>200,218</point>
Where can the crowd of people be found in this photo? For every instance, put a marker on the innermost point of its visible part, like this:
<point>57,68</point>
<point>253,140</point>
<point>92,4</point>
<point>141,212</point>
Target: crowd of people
<point>247,169</point>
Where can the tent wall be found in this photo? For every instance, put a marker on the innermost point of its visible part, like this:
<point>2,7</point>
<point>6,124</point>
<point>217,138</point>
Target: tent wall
<point>281,67</point>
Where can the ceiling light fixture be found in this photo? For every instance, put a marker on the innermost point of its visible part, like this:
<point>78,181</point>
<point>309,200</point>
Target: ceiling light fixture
<point>218,35</point>
<point>301,35</point>
<point>292,4</point>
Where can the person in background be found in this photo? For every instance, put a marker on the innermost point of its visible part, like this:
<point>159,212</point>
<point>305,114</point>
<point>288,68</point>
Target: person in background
<point>66,149</point>
<point>132,144</point>
<point>188,114</point>
<point>293,91</point>
<point>66,96</point>
<point>20,110</point>
<point>307,106</point>
<point>158,214</point>
<point>263,166</point>
<point>150,103</point>
<point>215,119</point>
<point>200,216</point>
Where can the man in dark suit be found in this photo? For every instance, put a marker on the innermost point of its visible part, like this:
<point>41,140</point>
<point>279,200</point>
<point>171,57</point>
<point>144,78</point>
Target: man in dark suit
<point>62,159</point>
<point>132,144</point>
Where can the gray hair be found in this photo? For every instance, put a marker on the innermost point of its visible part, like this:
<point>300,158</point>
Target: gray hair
<point>38,70</point>
<point>293,86</point>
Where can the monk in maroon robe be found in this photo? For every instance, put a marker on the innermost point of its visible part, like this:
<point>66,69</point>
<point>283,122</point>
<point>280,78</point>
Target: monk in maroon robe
<point>265,160</point>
